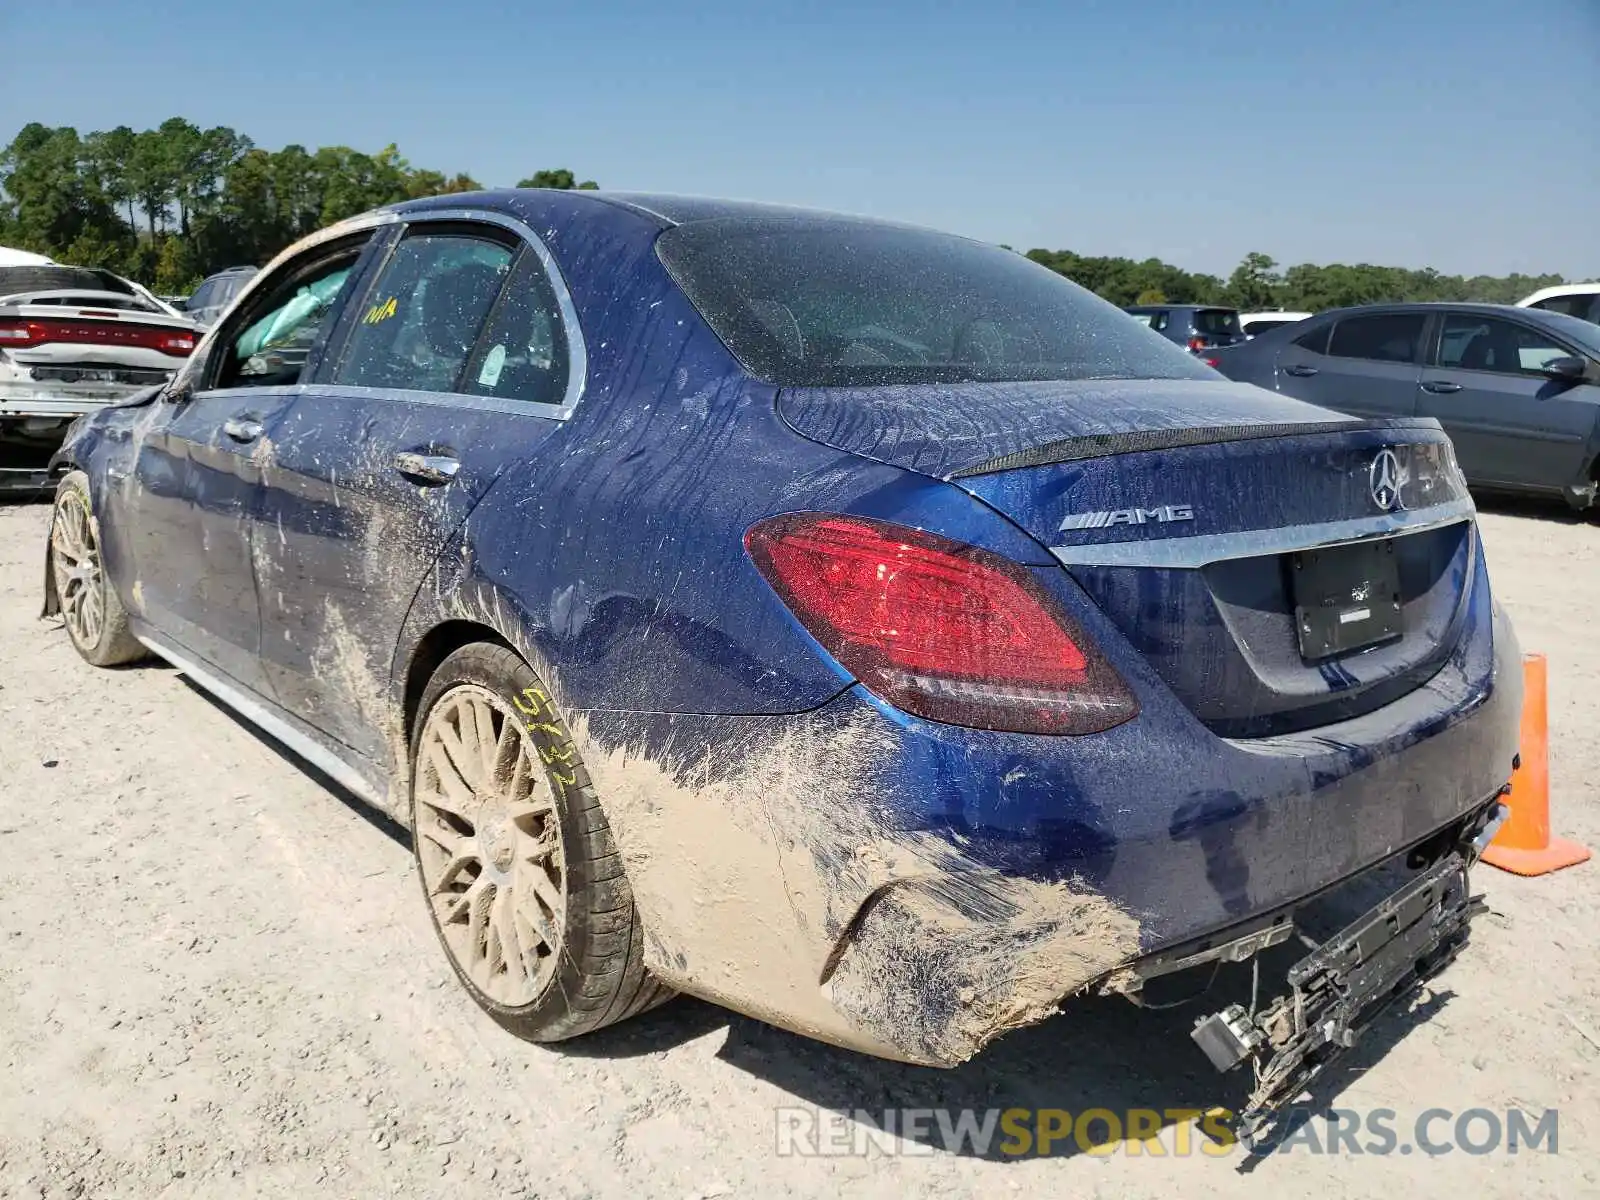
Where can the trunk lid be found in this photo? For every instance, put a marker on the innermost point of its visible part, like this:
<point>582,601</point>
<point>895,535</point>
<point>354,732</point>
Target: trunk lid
<point>1243,543</point>
<point>70,336</point>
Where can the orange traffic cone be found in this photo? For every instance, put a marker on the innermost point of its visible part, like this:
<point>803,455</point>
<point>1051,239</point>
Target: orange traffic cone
<point>1524,845</point>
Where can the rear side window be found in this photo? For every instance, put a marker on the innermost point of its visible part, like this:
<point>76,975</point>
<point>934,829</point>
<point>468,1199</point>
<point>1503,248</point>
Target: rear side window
<point>1216,321</point>
<point>1315,340</point>
<point>820,301</point>
<point>423,313</point>
<point>522,354</point>
<point>1382,337</point>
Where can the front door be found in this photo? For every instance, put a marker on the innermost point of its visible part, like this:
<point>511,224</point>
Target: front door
<point>193,498</point>
<point>451,368</point>
<point>1511,424</point>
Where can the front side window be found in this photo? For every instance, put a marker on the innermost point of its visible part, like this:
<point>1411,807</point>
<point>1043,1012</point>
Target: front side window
<point>271,348</point>
<point>422,314</point>
<point>824,301</point>
<point>1381,337</point>
<point>1472,343</point>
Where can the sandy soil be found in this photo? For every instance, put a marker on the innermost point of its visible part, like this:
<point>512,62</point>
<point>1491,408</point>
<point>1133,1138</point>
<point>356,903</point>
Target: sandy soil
<point>217,978</point>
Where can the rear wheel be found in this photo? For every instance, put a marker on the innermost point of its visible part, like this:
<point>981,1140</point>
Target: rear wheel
<point>91,610</point>
<point>522,878</point>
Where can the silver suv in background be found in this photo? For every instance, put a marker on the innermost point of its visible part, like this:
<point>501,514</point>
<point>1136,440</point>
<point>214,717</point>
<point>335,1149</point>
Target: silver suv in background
<point>1196,327</point>
<point>211,299</point>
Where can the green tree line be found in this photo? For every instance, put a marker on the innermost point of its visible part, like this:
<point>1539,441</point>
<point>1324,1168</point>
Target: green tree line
<point>1258,283</point>
<point>170,205</point>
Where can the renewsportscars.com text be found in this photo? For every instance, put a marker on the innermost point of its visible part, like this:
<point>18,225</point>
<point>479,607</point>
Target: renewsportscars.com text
<point>803,1131</point>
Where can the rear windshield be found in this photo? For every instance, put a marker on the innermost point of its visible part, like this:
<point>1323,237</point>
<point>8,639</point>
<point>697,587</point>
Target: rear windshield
<point>1216,320</point>
<point>815,301</point>
<point>14,280</point>
<point>1262,324</point>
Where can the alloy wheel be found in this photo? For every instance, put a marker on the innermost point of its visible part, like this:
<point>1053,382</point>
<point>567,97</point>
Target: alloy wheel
<point>489,845</point>
<point>75,559</point>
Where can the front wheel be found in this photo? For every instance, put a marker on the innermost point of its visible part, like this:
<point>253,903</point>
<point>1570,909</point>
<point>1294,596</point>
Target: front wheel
<point>518,866</point>
<point>90,608</point>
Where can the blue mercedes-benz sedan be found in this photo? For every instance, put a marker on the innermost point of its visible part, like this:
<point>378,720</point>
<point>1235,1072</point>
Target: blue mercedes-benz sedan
<point>859,626</point>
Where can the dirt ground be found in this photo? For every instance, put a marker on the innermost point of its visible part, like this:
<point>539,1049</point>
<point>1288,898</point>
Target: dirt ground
<point>217,979</point>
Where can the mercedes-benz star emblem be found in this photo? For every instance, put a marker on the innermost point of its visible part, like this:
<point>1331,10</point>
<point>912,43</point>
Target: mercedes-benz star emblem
<point>1384,479</point>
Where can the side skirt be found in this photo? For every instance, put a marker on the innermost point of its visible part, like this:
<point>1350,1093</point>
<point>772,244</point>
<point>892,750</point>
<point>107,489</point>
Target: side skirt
<point>273,721</point>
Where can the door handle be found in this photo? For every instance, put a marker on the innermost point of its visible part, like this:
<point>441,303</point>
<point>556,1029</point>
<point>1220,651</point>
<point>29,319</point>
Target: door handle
<point>242,429</point>
<point>1299,371</point>
<point>426,468</point>
<point>1440,387</point>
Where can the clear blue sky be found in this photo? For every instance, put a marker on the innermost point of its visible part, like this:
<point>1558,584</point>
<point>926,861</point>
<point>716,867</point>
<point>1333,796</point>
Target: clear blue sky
<point>1460,134</point>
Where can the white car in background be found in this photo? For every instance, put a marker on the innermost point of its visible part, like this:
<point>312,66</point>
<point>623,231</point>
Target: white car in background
<point>1259,322</point>
<point>73,339</point>
<point>1575,299</point>
<point>22,258</point>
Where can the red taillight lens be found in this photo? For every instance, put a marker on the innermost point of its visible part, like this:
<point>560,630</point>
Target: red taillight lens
<point>1213,362</point>
<point>940,629</point>
<point>24,335</point>
<point>178,343</point>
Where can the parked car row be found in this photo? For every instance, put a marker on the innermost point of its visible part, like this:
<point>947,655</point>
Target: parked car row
<point>1516,388</point>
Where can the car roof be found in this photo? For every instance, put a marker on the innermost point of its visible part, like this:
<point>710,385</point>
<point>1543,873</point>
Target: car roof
<point>683,210</point>
<point>1428,306</point>
<point>1180,308</point>
<point>662,210</point>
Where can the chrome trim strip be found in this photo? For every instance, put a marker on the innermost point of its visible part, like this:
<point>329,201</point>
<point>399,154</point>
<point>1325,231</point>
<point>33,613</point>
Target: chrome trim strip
<point>494,404</point>
<point>1197,551</point>
<point>577,353</point>
<point>324,760</point>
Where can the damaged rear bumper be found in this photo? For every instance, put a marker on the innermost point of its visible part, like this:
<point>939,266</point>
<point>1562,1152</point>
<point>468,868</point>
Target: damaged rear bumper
<point>914,890</point>
<point>1339,989</point>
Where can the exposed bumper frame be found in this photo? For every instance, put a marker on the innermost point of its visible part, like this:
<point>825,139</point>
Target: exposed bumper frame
<point>1338,990</point>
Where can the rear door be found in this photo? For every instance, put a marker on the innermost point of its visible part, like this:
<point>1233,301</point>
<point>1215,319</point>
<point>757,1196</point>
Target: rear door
<point>460,360</point>
<point>1511,424</point>
<point>1366,364</point>
<point>191,506</point>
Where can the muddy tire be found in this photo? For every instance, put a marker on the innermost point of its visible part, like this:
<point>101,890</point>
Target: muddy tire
<point>90,608</point>
<point>518,867</point>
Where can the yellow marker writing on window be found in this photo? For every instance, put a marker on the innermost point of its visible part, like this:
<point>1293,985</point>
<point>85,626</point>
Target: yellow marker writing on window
<point>381,311</point>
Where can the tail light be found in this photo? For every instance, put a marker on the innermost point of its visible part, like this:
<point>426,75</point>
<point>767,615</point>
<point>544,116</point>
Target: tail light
<point>23,335</point>
<point>937,628</point>
<point>1212,362</point>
